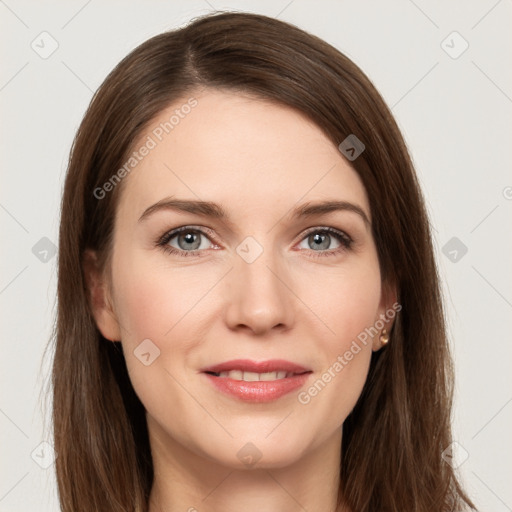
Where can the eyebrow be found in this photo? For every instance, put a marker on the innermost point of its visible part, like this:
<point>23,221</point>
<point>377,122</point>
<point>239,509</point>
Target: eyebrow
<point>214,210</point>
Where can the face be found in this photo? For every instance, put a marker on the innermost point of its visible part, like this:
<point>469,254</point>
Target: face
<point>244,333</point>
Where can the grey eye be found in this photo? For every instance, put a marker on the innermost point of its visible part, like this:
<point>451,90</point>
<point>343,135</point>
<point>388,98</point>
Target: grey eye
<point>189,240</point>
<point>320,240</point>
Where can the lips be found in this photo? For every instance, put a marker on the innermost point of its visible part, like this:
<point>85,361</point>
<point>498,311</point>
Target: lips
<point>254,381</point>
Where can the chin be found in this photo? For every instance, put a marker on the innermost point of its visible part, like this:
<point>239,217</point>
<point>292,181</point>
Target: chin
<point>258,452</point>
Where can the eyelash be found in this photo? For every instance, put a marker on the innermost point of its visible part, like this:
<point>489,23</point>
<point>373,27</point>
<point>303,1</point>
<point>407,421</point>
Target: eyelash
<point>344,239</point>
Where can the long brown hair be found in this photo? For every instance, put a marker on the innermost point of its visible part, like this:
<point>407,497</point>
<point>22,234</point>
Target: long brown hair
<point>394,438</point>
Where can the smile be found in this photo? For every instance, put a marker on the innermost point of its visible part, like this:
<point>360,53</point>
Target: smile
<point>252,381</point>
<point>253,376</point>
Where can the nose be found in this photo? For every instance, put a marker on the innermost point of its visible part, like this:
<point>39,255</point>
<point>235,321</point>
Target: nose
<point>258,296</point>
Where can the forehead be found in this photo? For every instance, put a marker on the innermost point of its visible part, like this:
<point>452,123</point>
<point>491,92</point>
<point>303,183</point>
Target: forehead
<point>248,154</point>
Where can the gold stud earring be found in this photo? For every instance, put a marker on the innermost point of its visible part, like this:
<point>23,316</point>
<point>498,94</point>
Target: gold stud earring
<point>384,337</point>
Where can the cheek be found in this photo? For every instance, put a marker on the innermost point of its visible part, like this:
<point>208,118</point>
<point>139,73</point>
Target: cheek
<point>349,308</point>
<point>151,305</point>
<point>346,299</point>
<point>160,304</point>
<point>152,301</point>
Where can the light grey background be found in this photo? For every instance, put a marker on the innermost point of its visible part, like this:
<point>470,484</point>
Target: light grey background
<point>455,114</point>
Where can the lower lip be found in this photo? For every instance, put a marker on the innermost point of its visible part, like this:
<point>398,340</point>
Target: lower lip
<point>258,391</point>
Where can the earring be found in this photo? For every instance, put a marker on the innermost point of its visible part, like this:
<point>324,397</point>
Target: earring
<point>384,337</point>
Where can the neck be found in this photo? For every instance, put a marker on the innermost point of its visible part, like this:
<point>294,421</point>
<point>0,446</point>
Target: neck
<point>185,481</point>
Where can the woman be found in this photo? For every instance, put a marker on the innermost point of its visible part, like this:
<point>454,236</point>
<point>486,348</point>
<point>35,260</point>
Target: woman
<point>249,308</point>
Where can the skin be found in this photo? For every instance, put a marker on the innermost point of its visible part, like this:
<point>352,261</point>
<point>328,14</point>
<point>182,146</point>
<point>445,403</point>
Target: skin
<point>258,160</point>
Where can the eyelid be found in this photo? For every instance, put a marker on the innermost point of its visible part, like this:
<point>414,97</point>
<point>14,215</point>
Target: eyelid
<point>171,233</point>
<point>211,233</point>
<point>327,229</point>
<point>344,239</point>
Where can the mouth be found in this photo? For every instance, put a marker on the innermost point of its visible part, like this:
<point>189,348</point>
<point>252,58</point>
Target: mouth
<point>252,381</point>
<point>253,376</point>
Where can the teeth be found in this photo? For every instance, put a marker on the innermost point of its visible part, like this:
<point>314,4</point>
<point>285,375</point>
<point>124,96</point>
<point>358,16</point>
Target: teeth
<point>250,377</point>
<point>270,376</point>
<point>254,377</point>
<point>233,374</point>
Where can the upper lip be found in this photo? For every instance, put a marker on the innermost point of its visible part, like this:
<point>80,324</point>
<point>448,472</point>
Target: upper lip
<point>246,365</point>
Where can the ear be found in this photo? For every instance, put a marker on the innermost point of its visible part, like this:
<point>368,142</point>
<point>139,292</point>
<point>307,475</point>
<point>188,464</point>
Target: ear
<point>388,309</point>
<point>98,293</point>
